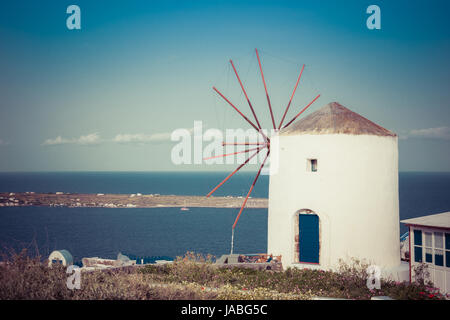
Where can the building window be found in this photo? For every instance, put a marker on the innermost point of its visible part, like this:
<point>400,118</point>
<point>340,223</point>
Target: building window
<point>428,247</point>
<point>447,241</point>
<point>417,237</point>
<point>433,247</point>
<point>438,251</point>
<point>417,254</point>
<point>439,257</point>
<point>418,246</point>
<point>447,250</point>
<point>439,240</point>
<point>429,255</point>
<point>312,165</point>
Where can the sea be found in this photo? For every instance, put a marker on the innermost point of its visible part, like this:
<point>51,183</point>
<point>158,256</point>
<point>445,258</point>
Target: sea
<point>167,232</point>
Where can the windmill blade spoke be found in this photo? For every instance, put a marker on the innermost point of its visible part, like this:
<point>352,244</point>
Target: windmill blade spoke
<point>265,88</point>
<point>292,96</point>
<point>293,119</point>
<point>255,147</point>
<point>236,170</point>
<point>243,144</point>
<point>245,93</point>
<point>230,154</point>
<point>238,111</point>
<point>251,189</point>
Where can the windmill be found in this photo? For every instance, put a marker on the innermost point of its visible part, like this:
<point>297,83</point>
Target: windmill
<point>256,148</point>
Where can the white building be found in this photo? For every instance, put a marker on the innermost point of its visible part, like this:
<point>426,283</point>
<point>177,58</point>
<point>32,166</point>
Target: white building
<point>429,238</point>
<point>333,193</point>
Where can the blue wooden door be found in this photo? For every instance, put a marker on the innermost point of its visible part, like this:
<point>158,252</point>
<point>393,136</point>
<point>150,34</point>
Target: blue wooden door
<point>308,238</point>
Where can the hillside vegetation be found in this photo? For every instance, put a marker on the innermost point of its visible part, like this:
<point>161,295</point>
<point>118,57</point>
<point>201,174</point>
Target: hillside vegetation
<point>195,277</point>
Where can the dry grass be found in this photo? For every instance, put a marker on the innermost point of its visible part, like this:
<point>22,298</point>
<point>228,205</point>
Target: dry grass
<point>24,277</point>
<point>193,277</point>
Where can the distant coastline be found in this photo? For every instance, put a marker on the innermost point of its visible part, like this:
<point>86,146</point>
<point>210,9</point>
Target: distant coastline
<point>76,200</point>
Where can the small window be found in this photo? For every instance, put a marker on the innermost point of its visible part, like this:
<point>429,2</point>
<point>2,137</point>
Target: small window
<point>429,255</point>
<point>418,251</point>
<point>439,240</point>
<point>447,258</point>
<point>447,241</point>
<point>312,165</point>
<point>428,240</point>
<point>447,250</point>
<point>428,247</point>
<point>438,257</point>
<point>418,254</point>
<point>417,237</point>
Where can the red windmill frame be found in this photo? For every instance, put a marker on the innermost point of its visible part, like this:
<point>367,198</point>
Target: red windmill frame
<point>257,147</point>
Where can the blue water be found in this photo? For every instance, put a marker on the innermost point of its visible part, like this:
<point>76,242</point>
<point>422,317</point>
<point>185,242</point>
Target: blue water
<point>103,232</point>
<point>178,183</point>
<point>423,194</point>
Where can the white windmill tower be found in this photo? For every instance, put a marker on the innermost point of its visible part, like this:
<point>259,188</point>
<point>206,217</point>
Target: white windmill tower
<point>334,193</point>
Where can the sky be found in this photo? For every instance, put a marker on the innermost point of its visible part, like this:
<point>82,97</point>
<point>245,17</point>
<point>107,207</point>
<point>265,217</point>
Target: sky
<point>108,96</point>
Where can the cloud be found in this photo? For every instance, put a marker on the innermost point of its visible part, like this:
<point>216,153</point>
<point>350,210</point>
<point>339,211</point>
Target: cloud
<point>89,139</point>
<point>141,138</point>
<point>92,138</point>
<point>441,133</point>
<point>3,143</point>
<point>127,138</point>
<point>56,141</point>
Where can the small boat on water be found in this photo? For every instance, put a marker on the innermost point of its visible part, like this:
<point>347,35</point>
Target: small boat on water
<point>184,208</point>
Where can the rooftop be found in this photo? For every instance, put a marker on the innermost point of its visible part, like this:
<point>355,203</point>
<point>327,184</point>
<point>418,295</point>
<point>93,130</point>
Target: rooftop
<point>334,118</point>
<point>440,220</point>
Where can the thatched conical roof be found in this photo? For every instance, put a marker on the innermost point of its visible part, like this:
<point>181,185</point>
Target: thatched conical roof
<point>334,118</point>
